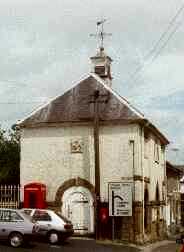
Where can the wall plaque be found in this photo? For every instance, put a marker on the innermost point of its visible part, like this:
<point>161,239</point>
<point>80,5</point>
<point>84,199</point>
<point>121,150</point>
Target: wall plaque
<point>77,146</point>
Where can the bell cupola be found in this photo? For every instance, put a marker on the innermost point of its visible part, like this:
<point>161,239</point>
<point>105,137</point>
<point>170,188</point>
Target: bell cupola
<point>101,63</point>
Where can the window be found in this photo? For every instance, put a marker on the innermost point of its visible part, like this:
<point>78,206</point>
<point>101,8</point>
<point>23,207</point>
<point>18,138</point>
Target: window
<point>41,216</point>
<point>162,153</point>
<point>15,217</point>
<point>146,148</point>
<point>146,143</point>
<point>4,215</point>
<point>146,209</point>
<point>27,211</point>
<point>156,152</point>
<point>100,70</point>
<point>10,216</point>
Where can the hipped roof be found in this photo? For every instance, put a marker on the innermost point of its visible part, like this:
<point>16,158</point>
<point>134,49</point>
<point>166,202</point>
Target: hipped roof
<point>77,105</point>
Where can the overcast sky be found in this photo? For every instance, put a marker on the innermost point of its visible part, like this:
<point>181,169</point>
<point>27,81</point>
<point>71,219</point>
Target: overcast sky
<point>45,48</point>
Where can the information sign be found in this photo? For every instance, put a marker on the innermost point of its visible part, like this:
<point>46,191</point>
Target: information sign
<point>120,199</point>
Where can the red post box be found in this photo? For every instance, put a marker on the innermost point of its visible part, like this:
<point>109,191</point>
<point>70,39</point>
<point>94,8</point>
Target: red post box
<point>35,195</point>
<point>104,214</point>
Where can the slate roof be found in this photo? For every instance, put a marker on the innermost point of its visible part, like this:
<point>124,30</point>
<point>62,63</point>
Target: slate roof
<point>180,167</point>
<point>176,168</point>
<point>76,105</point>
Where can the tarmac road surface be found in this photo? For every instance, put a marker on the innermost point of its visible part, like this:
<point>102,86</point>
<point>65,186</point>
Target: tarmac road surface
<point>73,245</point>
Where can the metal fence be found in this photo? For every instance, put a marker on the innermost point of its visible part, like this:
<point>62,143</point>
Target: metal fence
<point>9,196</point>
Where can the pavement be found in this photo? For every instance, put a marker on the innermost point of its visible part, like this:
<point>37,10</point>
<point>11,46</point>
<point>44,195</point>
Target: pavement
<point>160,246</point>
<point>163,246</point>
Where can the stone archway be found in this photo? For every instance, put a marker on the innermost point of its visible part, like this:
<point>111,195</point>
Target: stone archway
<point>157,198</point>
<point>146,210</point>
<point>76,199</point>
<point>73,182</point>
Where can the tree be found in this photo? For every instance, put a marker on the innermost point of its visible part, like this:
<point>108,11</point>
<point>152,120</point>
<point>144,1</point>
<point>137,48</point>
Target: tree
<point>9,156</point>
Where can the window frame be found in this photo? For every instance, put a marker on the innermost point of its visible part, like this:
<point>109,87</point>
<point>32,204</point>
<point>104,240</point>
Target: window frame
<point>156,152</point>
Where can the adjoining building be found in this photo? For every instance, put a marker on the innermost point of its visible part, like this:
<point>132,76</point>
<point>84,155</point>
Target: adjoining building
<point>181,168</point>
<point>89,127</point>
<point>173,206</point>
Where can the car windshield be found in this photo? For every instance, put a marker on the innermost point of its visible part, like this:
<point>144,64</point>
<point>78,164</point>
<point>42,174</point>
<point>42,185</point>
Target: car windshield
<point>62,217</point>
<point>27,211</point>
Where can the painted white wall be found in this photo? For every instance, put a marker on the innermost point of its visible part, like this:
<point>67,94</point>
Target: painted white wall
<point>154,170</point>
<point>116,155</point>
<point>46,155</point>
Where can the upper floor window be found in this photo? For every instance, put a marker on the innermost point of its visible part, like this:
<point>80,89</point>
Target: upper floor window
<point>146,148</point>
<point>146,144</point>
<point>156,152</point>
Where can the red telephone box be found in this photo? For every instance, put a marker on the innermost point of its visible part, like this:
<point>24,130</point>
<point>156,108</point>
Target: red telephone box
<point>35,195</point>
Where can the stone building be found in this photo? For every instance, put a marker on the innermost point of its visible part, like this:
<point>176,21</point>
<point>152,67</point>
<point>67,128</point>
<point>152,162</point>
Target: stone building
<point>181,168</point>
<point>173,206</point>
<point>57,150</point>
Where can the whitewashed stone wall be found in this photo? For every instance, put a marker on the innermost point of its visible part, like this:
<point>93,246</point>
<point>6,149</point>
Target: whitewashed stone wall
<point>46,156</point>
<point>156,171</point>
<point>116,155</point>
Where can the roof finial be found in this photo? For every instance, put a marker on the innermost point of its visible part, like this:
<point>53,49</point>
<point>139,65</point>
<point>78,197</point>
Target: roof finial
<point>100,34</point>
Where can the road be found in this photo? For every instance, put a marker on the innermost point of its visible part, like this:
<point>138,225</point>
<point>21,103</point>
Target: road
<point>83,245</point>
<point>73,245</point>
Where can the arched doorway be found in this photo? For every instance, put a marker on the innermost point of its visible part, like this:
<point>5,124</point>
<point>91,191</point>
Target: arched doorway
<point>157,210</point>
<point>146,210</point>
<point>78,206</point>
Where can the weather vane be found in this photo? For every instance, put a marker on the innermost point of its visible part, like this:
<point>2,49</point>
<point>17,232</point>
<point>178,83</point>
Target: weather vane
<point>100,33</point>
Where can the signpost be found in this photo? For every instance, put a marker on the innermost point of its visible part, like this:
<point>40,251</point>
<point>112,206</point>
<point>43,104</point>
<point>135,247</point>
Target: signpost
<point>120,200</point>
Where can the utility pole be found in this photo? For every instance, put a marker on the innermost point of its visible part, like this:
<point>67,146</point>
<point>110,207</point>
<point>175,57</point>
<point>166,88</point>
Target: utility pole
<point>96,100</point>
<point>97,160</point>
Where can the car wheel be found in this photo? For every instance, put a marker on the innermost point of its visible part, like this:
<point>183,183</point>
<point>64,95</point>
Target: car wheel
<point>53,237</point>
<point>15,239</point>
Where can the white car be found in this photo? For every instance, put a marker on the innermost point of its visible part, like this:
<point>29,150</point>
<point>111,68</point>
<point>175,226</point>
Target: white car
<point>55,227</point>
<point>16,227</point>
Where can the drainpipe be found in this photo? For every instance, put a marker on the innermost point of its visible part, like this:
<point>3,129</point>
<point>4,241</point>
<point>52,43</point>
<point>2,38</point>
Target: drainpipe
<point>132,143</point>
<point>142,167</point>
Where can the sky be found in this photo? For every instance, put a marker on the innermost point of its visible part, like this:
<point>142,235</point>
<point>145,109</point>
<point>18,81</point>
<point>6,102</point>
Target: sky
<point>45,49</point>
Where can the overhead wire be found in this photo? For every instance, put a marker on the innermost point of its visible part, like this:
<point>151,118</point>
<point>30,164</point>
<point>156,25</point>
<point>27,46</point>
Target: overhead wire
<point>151,60</point>
<point>165,43</point>
<point>12,82</point>
<point>33,102</point>
<point>155,46</point>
